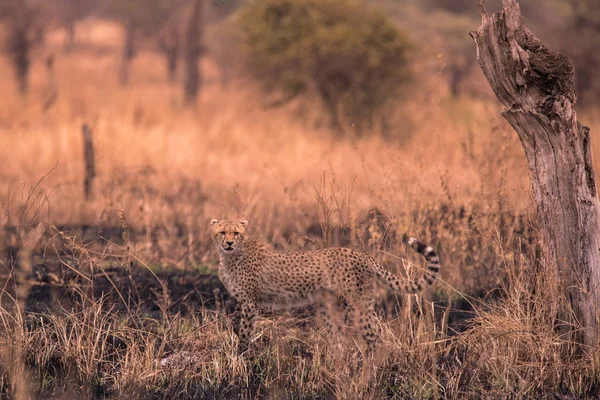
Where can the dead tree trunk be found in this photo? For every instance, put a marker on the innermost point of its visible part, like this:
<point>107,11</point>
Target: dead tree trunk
<point>536,87</point>
<point>193,50</point>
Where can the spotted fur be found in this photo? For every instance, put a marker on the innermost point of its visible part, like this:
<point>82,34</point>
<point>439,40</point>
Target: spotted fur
<point>263,279</point>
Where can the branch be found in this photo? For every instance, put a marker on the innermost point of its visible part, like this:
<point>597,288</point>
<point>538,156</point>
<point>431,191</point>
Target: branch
<point>482,11</point>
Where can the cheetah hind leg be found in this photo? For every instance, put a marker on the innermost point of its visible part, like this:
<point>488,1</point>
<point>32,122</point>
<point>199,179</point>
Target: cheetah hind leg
<point>369,327</point>
<point>349,313</point>
<point>365,321</point>
<point>328,312</point>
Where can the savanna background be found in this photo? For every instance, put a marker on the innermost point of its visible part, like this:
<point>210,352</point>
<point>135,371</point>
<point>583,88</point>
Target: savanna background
<point>324,123</point>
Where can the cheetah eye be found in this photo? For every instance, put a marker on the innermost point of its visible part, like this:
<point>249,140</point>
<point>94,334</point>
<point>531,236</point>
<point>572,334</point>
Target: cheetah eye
<point>235,233</point>
<point>222,233</point>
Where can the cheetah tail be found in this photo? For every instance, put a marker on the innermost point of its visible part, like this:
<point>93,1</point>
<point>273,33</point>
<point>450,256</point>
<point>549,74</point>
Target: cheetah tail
<point>433,267</point>
<point>415,285</point>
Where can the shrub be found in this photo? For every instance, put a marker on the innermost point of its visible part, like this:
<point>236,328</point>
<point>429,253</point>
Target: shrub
<point>352,57</point>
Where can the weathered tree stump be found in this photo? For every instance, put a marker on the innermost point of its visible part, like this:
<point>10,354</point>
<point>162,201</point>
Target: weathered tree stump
<point>536,86</point>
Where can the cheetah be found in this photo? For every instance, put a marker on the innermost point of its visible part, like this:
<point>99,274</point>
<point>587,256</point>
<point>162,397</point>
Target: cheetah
<point>262,279</point>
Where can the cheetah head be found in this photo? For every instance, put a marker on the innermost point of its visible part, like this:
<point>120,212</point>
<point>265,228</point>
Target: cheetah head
<point>228,236</point>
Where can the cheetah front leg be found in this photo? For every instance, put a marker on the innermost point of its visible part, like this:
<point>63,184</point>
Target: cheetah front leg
<point>248,313</point>
<point>236,318</point>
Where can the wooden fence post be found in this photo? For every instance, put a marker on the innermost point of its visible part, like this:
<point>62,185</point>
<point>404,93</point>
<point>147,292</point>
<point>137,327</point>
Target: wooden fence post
<point>90,162</point>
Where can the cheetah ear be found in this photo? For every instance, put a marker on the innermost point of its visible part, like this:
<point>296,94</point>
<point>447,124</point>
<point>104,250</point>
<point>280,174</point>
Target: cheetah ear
<point>244,223</point>
<point>214,221</point>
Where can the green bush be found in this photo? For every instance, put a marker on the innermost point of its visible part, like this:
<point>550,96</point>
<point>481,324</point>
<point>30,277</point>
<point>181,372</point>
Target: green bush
<point>352,57</point>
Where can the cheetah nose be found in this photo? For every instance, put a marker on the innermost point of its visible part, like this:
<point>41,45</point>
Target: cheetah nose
<point>229,243</point>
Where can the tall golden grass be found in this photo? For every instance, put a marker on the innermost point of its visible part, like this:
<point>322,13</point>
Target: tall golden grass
<point>451,173</point>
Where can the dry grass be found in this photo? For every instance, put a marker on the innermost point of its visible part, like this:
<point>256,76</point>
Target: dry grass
<point>92,312</point>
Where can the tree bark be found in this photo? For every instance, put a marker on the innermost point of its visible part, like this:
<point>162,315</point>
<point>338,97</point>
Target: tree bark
<point>536,87</point>
<point>193,50</point>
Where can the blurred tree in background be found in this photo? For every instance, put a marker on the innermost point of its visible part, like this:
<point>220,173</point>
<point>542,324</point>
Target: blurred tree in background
<point>69,12</point>
<point>166,29</point>
<point>223,8</point>
<point>344,53</point>
<point>223,44</point>
<point>354,58</point>
<point>193,50</point>
<point>583,46</point>
<point>458,59</point>
<point>25,26</point>
<point>158,20</point>
<point>222,37</point>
